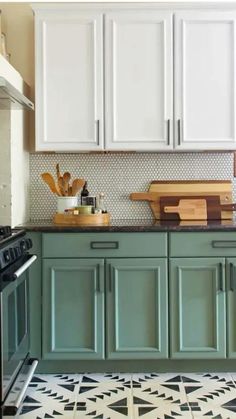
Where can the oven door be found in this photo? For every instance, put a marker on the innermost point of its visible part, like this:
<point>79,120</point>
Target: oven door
<point>14,317</point>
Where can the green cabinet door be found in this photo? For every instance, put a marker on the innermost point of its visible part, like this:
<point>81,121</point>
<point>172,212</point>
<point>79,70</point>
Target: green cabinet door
<point>231,306</point>
<point>136,308</point>
<point>197,308</point>
<point>73,309</point>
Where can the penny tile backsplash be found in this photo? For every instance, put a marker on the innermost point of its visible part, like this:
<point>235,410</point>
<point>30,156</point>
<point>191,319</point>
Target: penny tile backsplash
<point>119,174</point>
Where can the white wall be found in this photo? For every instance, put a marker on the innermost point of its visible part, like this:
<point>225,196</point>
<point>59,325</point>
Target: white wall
<point>18,26</point>
<point>14,158</point>
<point>5,169</point>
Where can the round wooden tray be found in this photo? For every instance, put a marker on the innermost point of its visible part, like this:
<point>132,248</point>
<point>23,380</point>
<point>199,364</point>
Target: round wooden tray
<point>82,219</point>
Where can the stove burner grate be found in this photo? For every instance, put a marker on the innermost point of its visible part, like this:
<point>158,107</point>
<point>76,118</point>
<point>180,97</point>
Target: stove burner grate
<point>5,231</point>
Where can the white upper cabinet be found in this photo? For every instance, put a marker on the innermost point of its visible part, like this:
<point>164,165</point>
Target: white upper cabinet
<point>138,80</point>
<point>121,77</point>
<point>69,80</point>
<point>205,80</point>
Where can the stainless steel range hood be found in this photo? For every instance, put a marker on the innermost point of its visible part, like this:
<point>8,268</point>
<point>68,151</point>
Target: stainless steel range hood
<point>11,98</point>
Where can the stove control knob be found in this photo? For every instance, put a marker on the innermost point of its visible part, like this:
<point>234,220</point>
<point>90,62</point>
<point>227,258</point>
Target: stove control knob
<point>17,251</point>
<point>23,246</point>
<point>6,255</point>
<point>12,253</point>
<point>29,243</point>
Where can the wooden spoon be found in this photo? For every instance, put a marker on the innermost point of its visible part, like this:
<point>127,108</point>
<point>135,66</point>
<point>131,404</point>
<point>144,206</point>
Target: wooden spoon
<point>48,179</point>
<point>58,171</point>
<point>61,185</point>
<point>66,180</point>
<point>77,185</point>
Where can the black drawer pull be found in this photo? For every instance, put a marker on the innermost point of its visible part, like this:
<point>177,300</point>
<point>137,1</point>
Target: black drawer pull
<point>231,276</point>
<point>221,279</point>
<point>98,284</point>
<point>104,245</point>
<point>223,244</point>
<point>110,278</point>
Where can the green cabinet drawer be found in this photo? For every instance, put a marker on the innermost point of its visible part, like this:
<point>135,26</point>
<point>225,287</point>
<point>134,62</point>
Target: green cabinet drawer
<point>202,244</point>
<point>76,245</point>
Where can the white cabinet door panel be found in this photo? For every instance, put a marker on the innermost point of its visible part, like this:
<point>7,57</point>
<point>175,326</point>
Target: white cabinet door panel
<point>69,74</point>
<point>205,80</point>
<point>138,80</point>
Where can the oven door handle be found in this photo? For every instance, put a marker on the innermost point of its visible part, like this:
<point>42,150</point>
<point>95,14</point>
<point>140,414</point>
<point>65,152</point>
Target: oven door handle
<point>11,407</point>
<point>23,268</point>
<point>24,388</point>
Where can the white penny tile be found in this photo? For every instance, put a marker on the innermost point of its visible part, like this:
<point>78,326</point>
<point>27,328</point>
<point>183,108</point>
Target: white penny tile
<point>101,169</point>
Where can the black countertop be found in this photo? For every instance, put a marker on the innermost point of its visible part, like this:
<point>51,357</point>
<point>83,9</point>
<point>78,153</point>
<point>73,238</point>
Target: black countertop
<point>133,225</point>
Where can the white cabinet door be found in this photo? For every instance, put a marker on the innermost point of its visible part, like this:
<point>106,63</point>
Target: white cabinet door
<point>138,80</point>
<point>205,80</point>
<point>69,80</point>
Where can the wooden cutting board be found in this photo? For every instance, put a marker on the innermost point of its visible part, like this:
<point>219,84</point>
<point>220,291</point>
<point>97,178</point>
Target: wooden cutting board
<point>183,208</point>
<point>157,189</point>
<point>194,208</point>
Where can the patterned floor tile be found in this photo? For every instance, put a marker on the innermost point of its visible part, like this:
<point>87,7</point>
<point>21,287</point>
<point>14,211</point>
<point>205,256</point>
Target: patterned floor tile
<point>105,378</point>
<point>48,411</point>
<point>58,378</point>
<point>233,376</point>
<point>166,392</point>
<point>204,411</point>
<point>160,412</point>
<point>110,411</point>
<point>160,400</point>
<point>104,394</point>
<point>51,395</point>
<point>114,396</point>
<point>219,394</point>
<point>159,378</point>
<point>207,378</point>
<point>107,396</point>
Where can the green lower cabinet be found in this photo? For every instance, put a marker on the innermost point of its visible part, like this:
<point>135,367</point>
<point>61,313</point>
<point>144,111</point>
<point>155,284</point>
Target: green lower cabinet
<point>73,309</point>
<point>197,308</point>
<point>231,306</point>
<point>136,308</point>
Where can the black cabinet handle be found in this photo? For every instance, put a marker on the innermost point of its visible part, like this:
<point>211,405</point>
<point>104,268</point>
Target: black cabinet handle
<point>99,279</point>
<point>104,245</point>
<point>98,130</point>
<point>221,279</point>
<point>223,244</point>
<point>98,282</point>
<point>168,131</point>
<point>110,278</point>
<point>231,277</point>
<point>179,131</point>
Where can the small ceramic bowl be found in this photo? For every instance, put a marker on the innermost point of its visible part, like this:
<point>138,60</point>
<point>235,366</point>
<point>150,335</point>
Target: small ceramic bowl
<point>85,209</point>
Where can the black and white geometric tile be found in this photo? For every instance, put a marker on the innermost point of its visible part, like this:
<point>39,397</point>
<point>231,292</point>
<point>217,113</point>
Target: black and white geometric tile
<point>214,394</point>
<point>51,396</point>
<point>147,396</point>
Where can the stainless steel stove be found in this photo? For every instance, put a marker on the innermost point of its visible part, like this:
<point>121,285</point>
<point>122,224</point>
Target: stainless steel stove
<point>16,366</point>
